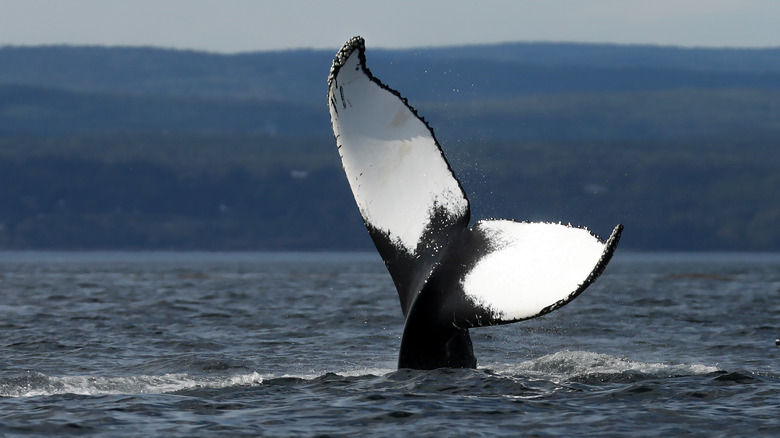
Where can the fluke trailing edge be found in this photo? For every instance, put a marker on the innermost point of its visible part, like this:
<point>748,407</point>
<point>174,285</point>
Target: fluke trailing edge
<point>450,277</point>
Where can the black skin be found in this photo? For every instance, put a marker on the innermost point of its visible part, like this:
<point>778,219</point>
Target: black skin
<point>429,343</point>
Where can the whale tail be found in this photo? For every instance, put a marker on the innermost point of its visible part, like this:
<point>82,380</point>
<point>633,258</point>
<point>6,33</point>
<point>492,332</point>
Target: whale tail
<point>449,277</point>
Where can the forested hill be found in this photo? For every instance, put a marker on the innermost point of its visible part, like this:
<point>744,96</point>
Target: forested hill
<point>151,148</point>
<point>462,73</point>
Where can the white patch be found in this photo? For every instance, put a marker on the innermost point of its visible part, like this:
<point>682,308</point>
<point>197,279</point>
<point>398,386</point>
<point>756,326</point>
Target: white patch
<point>533,266</point>
<point>394,166</point>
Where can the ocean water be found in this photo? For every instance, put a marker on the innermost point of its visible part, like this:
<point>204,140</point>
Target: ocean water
<point>305,344</point>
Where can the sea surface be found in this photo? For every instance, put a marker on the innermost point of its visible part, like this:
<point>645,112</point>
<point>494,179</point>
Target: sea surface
<point>305,344</point>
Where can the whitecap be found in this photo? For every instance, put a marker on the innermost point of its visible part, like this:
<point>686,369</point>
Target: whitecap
<point>569,365</point>
<point>37,384</point>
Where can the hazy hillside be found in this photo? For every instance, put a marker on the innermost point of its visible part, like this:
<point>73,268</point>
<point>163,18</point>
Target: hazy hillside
<point>25,109</point>
<point>289,76</point>
<point>612,55</point>
<point>443,74</point>
<point>149,148</point>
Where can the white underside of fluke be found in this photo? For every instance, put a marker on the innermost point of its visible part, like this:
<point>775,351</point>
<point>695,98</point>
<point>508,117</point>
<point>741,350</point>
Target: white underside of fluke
<point>531,266</point>
<point>394,166</point>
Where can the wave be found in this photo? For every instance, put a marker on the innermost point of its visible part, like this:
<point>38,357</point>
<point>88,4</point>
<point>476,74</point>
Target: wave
<point>563,366</point>
<point>585,365</point>
<point>38,384</point>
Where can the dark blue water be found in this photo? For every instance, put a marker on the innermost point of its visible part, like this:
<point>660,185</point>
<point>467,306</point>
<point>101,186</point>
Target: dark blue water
<point>197,344</point>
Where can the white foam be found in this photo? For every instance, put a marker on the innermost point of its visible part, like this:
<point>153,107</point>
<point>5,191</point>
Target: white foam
<point>38,384</point>
<point>367,372</point>
<point>396,170</point>
<point>42,385</point>
<point>534,266</point>
<point>568,365</point>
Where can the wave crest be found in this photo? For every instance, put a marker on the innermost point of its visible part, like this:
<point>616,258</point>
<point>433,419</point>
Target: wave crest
<point>585,365</point>
<point>38,384</point>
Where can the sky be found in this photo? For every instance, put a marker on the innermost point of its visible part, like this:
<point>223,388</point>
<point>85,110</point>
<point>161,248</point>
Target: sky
<point>230,26</point>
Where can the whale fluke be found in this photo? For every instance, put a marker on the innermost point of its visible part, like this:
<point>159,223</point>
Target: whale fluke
<point>450,276</point>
